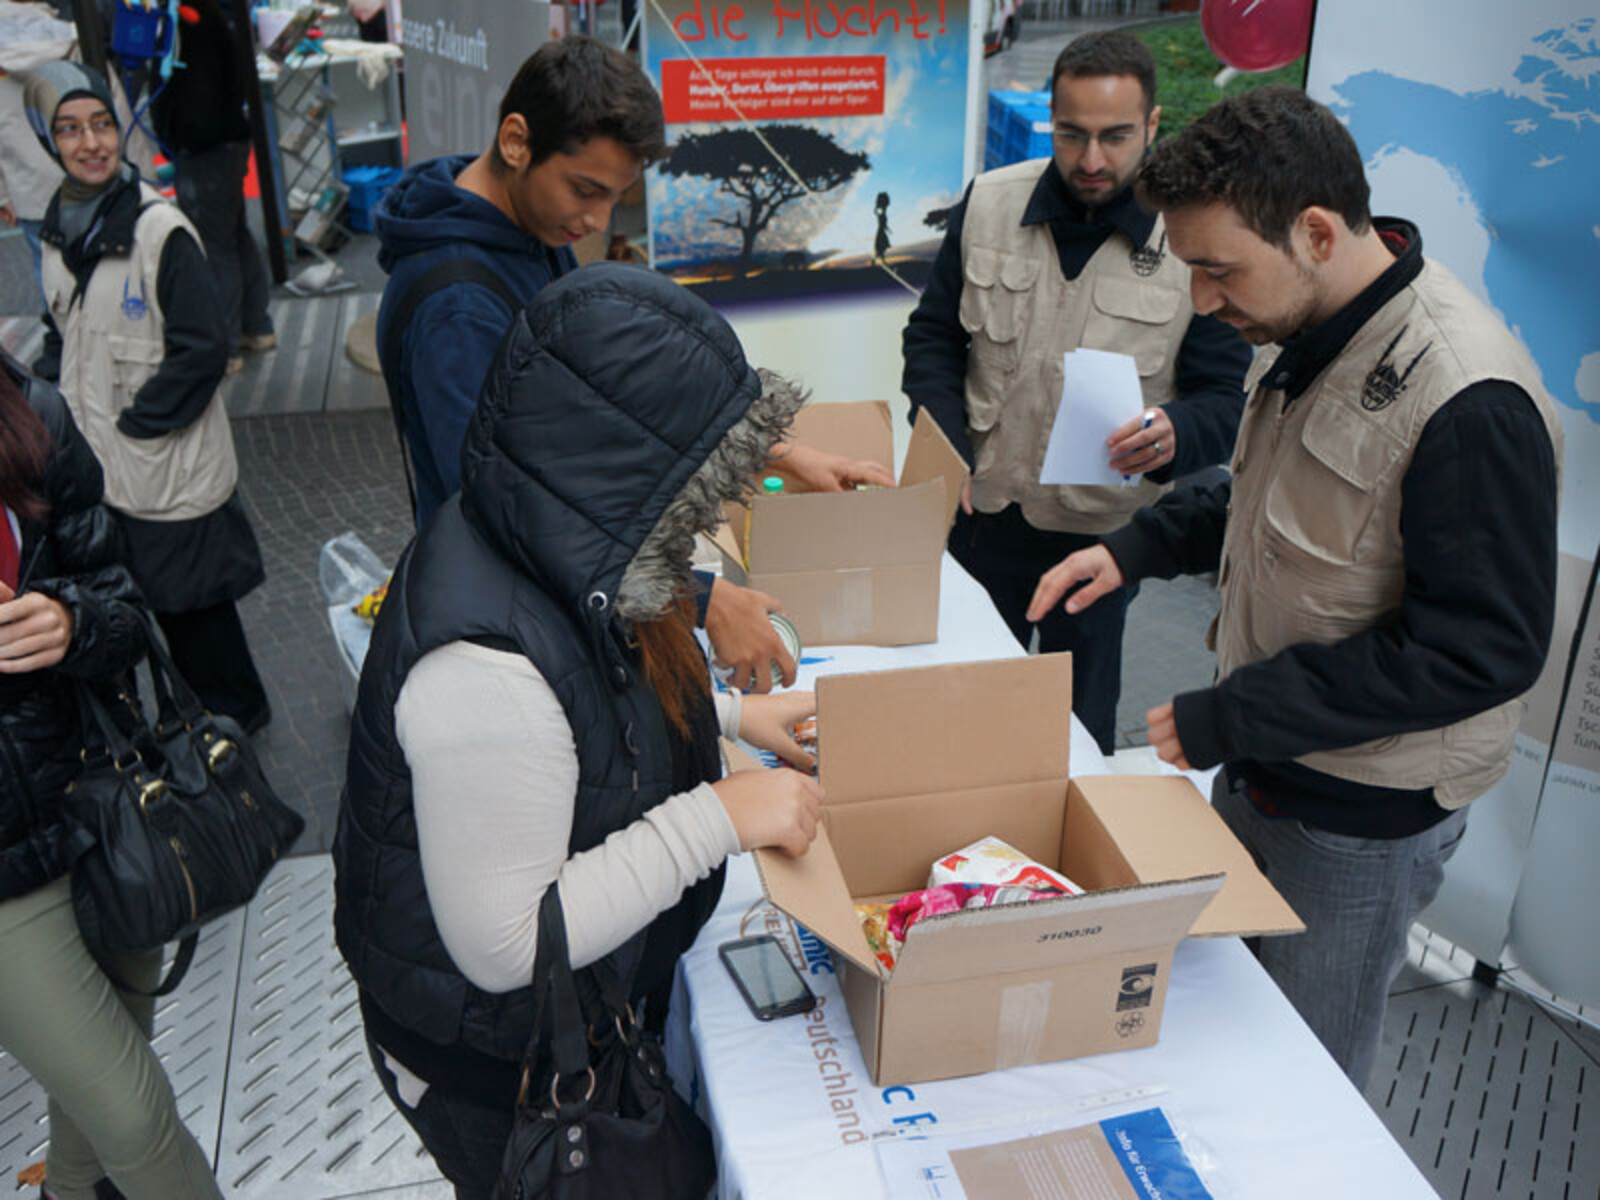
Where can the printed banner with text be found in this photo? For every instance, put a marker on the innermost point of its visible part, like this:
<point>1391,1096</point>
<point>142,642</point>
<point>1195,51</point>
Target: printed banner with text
<point>864,103</point>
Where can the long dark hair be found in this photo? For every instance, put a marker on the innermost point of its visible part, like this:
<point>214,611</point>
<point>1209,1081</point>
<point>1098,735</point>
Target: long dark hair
<point>24,450</point>
<point>673,662</point>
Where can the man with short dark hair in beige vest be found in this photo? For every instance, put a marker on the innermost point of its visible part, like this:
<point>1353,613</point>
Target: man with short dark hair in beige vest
<point>1385,549</point>
<point>1041,258</point>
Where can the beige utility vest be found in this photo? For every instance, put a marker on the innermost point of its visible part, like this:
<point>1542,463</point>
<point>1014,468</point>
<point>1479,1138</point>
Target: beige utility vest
<point>1313,551</point>
<point>112,341</point>
<point>1023,315</point>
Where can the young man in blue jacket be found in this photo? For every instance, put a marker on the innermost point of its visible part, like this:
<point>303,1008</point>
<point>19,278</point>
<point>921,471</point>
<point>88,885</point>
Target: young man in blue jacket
<point>467,241</point>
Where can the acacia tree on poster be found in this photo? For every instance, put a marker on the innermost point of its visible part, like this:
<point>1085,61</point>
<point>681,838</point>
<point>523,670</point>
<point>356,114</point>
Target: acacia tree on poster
<point>748,171</point>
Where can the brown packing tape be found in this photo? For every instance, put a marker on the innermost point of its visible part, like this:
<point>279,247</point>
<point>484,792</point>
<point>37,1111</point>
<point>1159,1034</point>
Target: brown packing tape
<point>1024,1013</point>
<point>846,614</point>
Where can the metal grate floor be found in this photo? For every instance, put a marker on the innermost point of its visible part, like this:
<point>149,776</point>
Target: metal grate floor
<point>264,1049</point>
<point>1485,1085</point>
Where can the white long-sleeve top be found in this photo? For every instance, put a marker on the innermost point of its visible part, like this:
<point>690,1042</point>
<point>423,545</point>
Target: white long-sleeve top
<point>494,770</point>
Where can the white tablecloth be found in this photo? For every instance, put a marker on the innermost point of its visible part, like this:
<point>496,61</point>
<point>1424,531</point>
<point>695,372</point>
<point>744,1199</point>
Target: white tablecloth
<point>794,1110</point>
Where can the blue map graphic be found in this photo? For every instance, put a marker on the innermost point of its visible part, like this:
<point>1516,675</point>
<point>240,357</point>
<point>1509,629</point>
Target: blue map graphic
<point>1528,156</point>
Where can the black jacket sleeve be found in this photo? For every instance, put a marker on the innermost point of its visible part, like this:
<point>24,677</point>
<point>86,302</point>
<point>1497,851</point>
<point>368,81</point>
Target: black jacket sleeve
<point>1181,534</point>
<point>108,628</point>
<point>1209,382</point>
<point>1478,520</point>
<point>934,344</point>
<point>196,345</point>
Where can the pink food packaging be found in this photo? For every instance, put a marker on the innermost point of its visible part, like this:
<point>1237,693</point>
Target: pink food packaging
<point>989,860</point>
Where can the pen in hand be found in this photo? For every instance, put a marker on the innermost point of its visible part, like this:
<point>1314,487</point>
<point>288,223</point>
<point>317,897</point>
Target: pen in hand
<point>1149,420</point>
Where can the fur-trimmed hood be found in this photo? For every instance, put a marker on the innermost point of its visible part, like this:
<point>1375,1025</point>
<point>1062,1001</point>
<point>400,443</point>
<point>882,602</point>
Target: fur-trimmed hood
<point>618,416</point>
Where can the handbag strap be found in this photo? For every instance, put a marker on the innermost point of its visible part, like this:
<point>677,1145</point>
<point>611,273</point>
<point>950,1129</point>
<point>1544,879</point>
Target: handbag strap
<point>181,962</point>
<point>93,717</point>
<point>173,693</point>
<point>569,1038</point>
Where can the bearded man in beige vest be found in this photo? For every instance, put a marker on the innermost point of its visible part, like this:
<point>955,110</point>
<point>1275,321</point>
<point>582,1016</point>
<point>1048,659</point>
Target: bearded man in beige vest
<point>1041,258</point>
<point>1385,548</point>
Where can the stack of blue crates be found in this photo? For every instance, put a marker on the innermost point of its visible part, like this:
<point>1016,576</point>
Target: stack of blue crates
<point>1019,128</point>
<point>367,186</point>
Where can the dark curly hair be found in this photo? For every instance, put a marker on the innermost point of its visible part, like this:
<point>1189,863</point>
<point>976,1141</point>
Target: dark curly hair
<point>1268,154</point>
<point>576,88</point>
<point>1109,53</point>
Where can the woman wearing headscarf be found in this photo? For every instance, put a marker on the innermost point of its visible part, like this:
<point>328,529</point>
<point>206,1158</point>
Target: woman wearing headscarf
<point>69,615</point>
<point>535,713</point>
<point>143,351</point>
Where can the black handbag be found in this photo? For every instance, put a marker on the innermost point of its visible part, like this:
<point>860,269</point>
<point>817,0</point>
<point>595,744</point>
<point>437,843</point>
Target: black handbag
<point>181,825</point>
<point>596,1115</point>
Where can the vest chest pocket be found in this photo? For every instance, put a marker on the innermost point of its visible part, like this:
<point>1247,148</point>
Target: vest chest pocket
<point>996,296</point>
<point>1133,318</point>
<point>1315,599</point>
<point>133,360</point>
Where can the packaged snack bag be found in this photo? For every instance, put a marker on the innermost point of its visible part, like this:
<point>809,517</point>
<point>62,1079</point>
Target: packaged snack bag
<point>369,605</point>
<point>875,924</point>
<point>989,860</point>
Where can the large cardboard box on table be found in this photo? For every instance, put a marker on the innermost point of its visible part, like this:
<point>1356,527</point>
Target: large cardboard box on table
<point>853,568</point>
<point>918,763</point>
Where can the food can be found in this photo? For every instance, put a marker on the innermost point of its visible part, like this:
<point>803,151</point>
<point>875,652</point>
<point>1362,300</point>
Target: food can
<point>787,634</point>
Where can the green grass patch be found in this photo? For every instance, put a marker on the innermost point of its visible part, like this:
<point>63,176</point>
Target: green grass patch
<point>1185,68</point>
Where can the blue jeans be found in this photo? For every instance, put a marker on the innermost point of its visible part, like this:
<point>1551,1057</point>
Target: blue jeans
<point>1358,898</point>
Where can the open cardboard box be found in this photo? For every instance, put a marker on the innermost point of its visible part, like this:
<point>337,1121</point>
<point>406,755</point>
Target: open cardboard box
<point>853,568</point>
<point>918,763</point>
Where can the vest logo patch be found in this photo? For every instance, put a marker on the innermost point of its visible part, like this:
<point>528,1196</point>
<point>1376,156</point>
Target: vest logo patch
<point>1385,384</point>
<point>1146,260</point>
<point>134,307</point>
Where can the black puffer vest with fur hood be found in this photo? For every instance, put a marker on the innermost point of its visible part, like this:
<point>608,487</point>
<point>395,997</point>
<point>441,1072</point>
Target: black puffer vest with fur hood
<point>612,388</point>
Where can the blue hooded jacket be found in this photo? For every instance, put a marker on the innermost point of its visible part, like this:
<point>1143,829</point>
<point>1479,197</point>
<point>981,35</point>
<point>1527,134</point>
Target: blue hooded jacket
<point>450,342</point>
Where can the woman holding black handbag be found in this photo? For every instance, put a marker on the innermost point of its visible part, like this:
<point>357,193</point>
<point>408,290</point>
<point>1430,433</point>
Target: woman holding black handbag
<point>68,613</point>
<point>534,793</point>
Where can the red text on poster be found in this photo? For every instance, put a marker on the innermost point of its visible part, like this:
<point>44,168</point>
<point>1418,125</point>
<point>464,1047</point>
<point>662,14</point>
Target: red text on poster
<point>770,88</point>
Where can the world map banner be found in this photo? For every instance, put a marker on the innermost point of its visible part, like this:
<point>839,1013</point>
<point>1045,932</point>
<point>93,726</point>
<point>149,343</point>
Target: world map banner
<point>1480,121</point>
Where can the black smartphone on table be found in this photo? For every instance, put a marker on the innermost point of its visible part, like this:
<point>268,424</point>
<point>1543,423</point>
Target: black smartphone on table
<point>766,977</point>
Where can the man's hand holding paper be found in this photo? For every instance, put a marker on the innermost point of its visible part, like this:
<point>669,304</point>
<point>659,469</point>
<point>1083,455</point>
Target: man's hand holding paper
<point>1099,436</point>
<point>1136,447</point>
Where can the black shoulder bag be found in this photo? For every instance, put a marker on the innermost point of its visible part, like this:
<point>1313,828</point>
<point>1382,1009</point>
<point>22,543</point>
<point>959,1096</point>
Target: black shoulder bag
<point>183,824</point>
<point>597,1117</point>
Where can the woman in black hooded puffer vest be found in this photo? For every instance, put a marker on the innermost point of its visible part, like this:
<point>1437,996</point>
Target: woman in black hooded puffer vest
<point>535,711</point>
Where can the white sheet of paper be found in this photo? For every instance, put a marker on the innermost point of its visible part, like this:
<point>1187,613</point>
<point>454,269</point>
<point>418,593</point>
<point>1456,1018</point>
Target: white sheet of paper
<point>1099,392</point>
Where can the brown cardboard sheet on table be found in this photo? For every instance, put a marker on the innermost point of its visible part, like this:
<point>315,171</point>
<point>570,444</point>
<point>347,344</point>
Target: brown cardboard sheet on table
<point>918,763</point>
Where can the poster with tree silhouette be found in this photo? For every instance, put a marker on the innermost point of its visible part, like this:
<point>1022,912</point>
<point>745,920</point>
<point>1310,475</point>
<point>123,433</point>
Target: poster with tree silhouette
<point>813,145</point>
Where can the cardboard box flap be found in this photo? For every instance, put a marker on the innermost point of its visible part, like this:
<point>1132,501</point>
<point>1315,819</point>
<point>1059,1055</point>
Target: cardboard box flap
<point>1167,830</point>
<point>811,890</point>
<point>856,429</point>
<point>842,530</point>
<point>931,456</point>
<point>726,540</point>
<point>944,728</point>
<point>1043,934</point>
